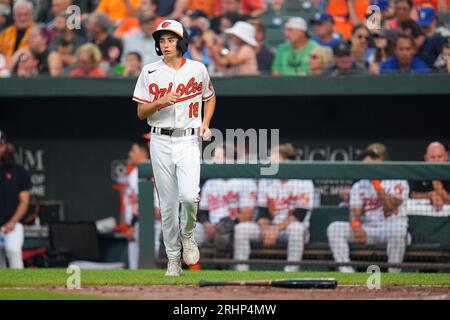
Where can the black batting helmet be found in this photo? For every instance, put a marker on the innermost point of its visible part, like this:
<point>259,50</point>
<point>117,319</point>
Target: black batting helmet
<point>175,27</point>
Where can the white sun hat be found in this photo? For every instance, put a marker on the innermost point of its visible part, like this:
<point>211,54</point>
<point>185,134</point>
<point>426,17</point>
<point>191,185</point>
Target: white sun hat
<point>244,31</point>
<point>297,23</point>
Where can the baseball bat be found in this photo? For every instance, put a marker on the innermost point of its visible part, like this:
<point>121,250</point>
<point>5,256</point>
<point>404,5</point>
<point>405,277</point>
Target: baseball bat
<point>302,283</point>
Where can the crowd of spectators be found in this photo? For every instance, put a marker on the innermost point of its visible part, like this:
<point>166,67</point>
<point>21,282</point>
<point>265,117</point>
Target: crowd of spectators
<point>114,38</point>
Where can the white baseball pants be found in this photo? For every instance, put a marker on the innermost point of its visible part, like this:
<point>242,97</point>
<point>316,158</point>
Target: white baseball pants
<point>176,168</point>
<point>392,231</point>
<point>12,249</point>
<point>244,232</point>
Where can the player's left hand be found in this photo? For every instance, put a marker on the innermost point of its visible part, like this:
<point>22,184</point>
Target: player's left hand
<point>8,227</point>
<point>205,133</point>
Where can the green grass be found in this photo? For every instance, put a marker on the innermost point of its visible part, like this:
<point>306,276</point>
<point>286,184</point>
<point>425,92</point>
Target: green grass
<point>58,277</point>
<point>20,294</point>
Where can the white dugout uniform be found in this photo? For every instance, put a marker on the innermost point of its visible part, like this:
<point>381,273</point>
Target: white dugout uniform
<point>176,157</point>
<point>380,227</point>
<point>131,209</point>
<point>225,198</point>
<point>288,196</point>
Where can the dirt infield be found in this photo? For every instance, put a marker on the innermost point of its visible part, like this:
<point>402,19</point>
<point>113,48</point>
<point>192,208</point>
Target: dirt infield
<point>192,292</point>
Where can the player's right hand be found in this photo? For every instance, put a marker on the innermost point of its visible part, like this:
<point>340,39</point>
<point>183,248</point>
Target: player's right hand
<point>360,235</point>
<point>170,98</point>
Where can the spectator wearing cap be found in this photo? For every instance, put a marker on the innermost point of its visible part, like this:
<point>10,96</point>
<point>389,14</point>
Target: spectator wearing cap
<point>384,49</point>
<point>197,50</point>
<point>241,59</point>
<point>264,56</point>
<point>118,10</point>
<point>346,14</point>
<point>320,59</point>
<point>360,44</point>
<point>403,59</point>
<point>88,57</point>
<point>428,49</point>
<point>141,40</point>
<point>344,64</point>
<point>324,30</point>
<point>292,57</point>
<point>15,185</point>
<point>16,36</point>
<point>98,26</point>
<point>436,191</point>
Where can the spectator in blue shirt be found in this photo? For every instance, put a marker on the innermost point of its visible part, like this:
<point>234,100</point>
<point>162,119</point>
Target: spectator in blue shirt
<point>324,30</point>
<point>404,60</point>
<point>197,49</point>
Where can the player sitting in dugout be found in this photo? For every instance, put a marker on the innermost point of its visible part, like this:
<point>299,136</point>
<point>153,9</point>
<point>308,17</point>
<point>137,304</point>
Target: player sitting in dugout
<point>284,208</point>
<point>223,204</point>
<point>377,215</point>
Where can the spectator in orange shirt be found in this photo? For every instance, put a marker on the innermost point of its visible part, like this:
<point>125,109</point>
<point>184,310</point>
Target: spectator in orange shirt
<point>16,36</point>
<point>207,6</point>
<point>89,57</point>
<point>118,10</point>
<point>346,14</point>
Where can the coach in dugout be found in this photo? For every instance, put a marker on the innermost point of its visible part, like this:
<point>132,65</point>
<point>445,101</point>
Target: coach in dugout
<point>436,191</point>
<point>15,184</point>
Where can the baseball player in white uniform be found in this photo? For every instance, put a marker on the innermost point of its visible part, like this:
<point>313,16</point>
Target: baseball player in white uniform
<point>170,94</point>
<point>377,215</point>
<point>284,208</point>
<point>225,198</point>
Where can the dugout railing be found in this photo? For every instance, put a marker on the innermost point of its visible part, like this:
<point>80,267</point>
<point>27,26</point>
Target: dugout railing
<point>430,249</point>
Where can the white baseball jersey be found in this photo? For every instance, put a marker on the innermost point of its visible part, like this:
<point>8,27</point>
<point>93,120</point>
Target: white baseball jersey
<point>364,196</point>
<point>285,196</point>
<point>190,80</point>
<point>225,198</point>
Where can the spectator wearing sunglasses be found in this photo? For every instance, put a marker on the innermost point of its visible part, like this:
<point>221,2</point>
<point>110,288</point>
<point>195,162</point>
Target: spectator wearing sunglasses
<point>324,30</point>
<point>360,44</point>
<point>320,59</point>
<point>344,64</point>
<point>292,57</point>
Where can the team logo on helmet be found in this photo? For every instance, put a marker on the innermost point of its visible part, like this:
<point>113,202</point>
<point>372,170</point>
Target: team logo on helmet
<point>165,24</point>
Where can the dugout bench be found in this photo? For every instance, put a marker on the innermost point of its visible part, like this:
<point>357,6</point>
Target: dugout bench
<point>429,249</point>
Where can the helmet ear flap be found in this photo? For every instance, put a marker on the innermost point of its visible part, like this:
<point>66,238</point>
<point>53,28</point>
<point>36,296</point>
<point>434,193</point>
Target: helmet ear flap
<point>157,47</point>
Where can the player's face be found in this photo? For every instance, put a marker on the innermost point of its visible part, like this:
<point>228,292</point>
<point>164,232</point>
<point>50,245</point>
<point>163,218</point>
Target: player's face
<point>168,45</point>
